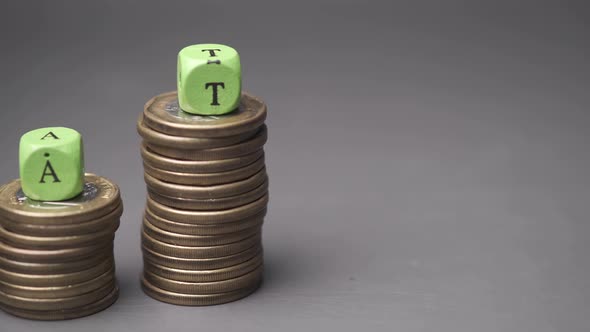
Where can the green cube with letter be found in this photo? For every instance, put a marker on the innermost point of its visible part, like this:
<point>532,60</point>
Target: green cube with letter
<point>52,164</point>
<point>209,79</point>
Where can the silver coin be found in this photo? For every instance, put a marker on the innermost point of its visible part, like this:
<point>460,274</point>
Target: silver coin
<point>194,299</point>
<point>229,272</point>
<point>163,114</point>
<point>251,222</point>
<point>205,179</point>
<point>198,166</point>
<point>190,240</point>
<point>100,196</point>
<point>227,152</point>
<point>207,192</point>
<point>179,142</point>
<point>199,252</point>
<point>111,220</point>
<point>63,314</point>
<point>200,263</point>
<point>223,203</point>
<point>247,280</point>
<point>208,217</point>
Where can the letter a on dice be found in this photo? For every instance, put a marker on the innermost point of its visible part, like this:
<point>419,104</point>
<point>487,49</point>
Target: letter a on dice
<point>209,79</point>
<point>51,164</point>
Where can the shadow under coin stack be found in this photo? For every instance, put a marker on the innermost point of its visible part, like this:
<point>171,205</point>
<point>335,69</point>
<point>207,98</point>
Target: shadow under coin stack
<point>56,258</point>
<point>207,198</point>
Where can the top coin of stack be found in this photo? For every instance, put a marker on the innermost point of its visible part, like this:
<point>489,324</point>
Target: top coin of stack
<point>207,183</point>
<point>57,227</point>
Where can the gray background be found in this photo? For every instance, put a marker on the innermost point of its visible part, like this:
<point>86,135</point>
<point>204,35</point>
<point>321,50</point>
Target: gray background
<point>428,159</point>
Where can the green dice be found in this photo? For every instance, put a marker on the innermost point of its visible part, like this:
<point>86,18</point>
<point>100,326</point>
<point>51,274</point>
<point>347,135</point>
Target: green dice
<point>51,164</point>
<point>209,79</point>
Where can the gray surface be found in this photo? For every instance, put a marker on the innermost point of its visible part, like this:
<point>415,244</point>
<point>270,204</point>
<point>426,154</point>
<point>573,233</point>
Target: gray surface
<point>429,163</point>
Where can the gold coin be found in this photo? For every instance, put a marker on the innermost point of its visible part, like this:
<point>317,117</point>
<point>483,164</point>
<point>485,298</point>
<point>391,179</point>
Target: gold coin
<point>163,114</point>
<point>52,255</point>
<point>55,268</point>
<point>203,166</point>
<point>194,299</point>
<point>247,280</point>
<point>210,204</point>
<point>205,179</point>
<point>254,221</point>
<point>57,242</point>
<point>199,252</point>
<point>37,229</point>
<point>207,192</point>
<point>202,263</point>
<point>204,275</point>
<point>58,292</point>
<point>208,217</point>
<point>51,280</point>
<point>57,303</point>
<point>63,314</point>
<point>196,240</point>
<point>227,152</point>
<point>180,142</point>
<point>100,196</point>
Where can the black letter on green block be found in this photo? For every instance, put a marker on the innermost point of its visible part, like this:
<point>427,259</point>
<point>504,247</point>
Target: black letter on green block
<point>51,172</point>
<point>217,62</point>
<point>49,134</point>
<point>211,51</point>
<point>215,102</point>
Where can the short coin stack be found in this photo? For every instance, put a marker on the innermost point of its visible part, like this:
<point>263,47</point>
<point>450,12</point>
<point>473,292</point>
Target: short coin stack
<point>56,258</point>
<point>207,198</point>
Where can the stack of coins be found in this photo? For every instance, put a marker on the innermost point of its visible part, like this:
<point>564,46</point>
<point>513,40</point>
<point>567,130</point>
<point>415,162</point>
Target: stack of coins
<point>207,198</point>
<point>56,258</point>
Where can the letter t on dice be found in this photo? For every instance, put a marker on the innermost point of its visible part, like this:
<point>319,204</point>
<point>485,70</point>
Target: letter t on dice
<point>209,79</point>
<point>51,164</point>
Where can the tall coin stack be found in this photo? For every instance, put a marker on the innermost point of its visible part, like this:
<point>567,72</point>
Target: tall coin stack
<point>207,198</point>
<point>56,258</point>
